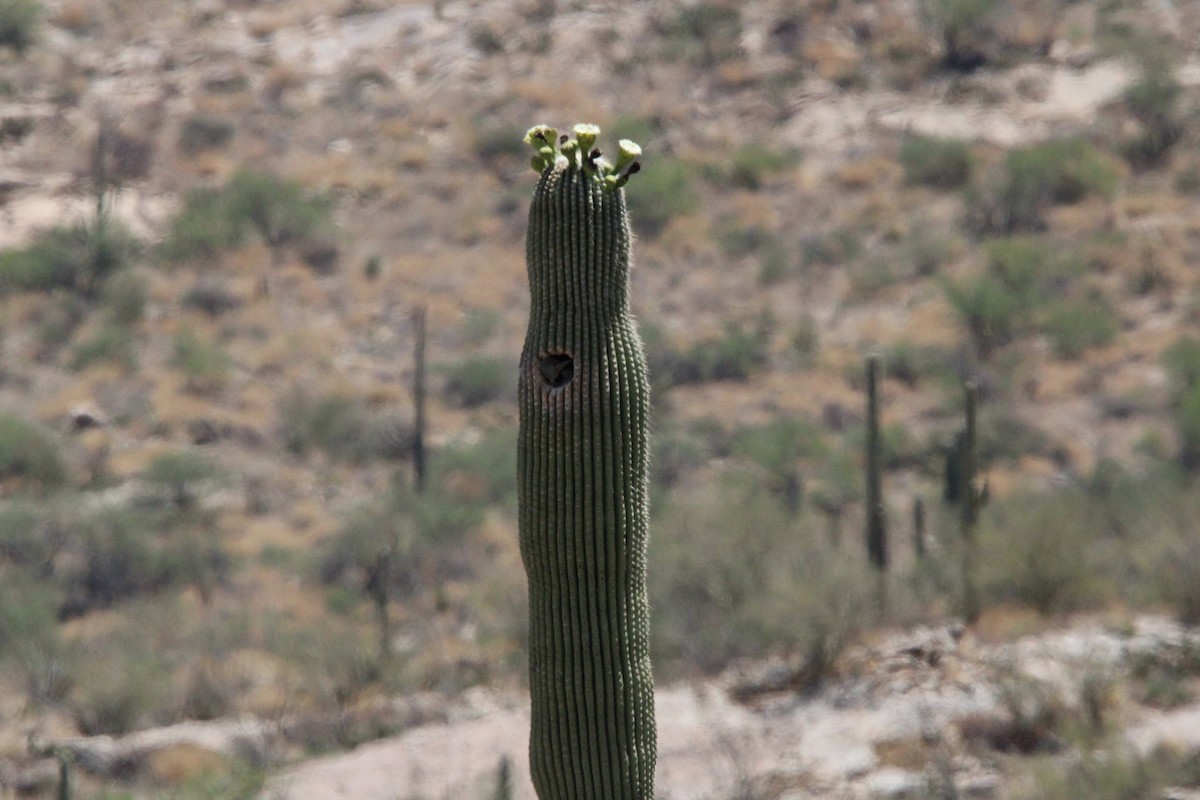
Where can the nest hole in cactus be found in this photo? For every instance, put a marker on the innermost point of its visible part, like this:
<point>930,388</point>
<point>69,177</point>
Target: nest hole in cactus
<point>557,369</point>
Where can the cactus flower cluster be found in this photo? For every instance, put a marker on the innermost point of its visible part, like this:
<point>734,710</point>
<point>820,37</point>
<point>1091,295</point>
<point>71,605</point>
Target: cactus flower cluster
<point>553,149</point>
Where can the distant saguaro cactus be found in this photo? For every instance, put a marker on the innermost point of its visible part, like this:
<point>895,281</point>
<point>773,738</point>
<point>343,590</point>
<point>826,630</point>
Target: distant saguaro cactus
<point>582,482</point>
<point>876,529</point>
<point>970,498</point>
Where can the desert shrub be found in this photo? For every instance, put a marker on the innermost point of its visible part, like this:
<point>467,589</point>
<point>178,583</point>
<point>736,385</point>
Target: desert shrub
<point>1182,360</point>
<point>773,266</point>
<point>993,312</point>
<point>203,132</point>
<point>56,321</point>
<point>211,295</point>
<point>486,464</point>
<point>1100,776</point>
<point>662,191</point>
<point>396,547</point>
<point>1014,197</point>
<point>495,143</point>
<point>180,474</point>
<point>479,380</point>
<point>776,448</point>
<point>126,685</point>
<point>1153,100</point>
<point>677,452</point>
<point>751,164</point>
<point>704,33</point>
<point>30,645</point>
<point>963,28</point>
<point>1043,552</point>
<point>77,257</point>
<point>31,535</point>
<point>279,211</point>
<point>112,343</point>
<point>736,355</point>
<point>335,423</point>
<point>202,229</point>
<point>1162,677</point>
<point>1187,421</point>
<point>124,298</point>
<point>832,249</point>
<point>1187,180</point>
<point>19,22</point>
<point>1078,324</point>
<point>736,239</point>
<point>117,559</point>
<point>912,364</point>
<point>933,161</point>
<point>734,577</point>
<point>206,365</point>
<point>29,454</point>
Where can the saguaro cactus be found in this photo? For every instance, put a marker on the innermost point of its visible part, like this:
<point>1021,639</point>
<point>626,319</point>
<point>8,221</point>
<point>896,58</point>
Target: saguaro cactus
<point>876,530</point>
<point>971,499</point>
<point>582,476</point>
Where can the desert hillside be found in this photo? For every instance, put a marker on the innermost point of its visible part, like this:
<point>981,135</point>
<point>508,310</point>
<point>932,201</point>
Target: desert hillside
<point>234,234</point>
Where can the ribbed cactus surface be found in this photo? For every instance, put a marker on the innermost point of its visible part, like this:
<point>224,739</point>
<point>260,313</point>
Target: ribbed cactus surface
<point>582,472</point>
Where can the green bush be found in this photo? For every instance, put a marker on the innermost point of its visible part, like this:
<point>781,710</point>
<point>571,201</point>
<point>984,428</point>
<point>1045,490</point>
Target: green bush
<point>487,460</point>
<point>479,380</point>
<point>202,132</point>
<point>704,33</point>
<point>31,535</point>
<point>180,474</point>
<point>27,453</point>
<point>125,686</point>
<point>832,249</point>
<point>933,161</point>
<point>1153,100</point>
<point>112,343</point>
<point>1015,197</point>
<point>993,311</point>
<point>1077,325</point>
<point>963,28</point>
<point>1182,361</point>
<point>662,191</point>
<point>1100,776</point>
<point>19,21</point>
<point>335,423</point>
<point>751,165</point>
<point>1187,420</point>
<point>77,257</point>
<point>1044,552</point>
<point>279,211</point>
<point>29,639</point>
<point>776,448</point>
<point>117,559</point>
<point>207,366</point>
<point>203,228</point>
<point>124,298</point>
<point>736,356</point>
<point>734,578</point>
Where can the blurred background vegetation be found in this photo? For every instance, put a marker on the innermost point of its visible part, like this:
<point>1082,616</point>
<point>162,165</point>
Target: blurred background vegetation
<point>218,221</point>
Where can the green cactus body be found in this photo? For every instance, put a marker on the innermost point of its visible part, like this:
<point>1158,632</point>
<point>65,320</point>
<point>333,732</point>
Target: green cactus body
<point>582,476</point>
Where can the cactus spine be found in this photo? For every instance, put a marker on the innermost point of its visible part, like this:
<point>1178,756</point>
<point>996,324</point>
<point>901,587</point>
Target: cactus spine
<point>582,481</point>
<point>876,530</point>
